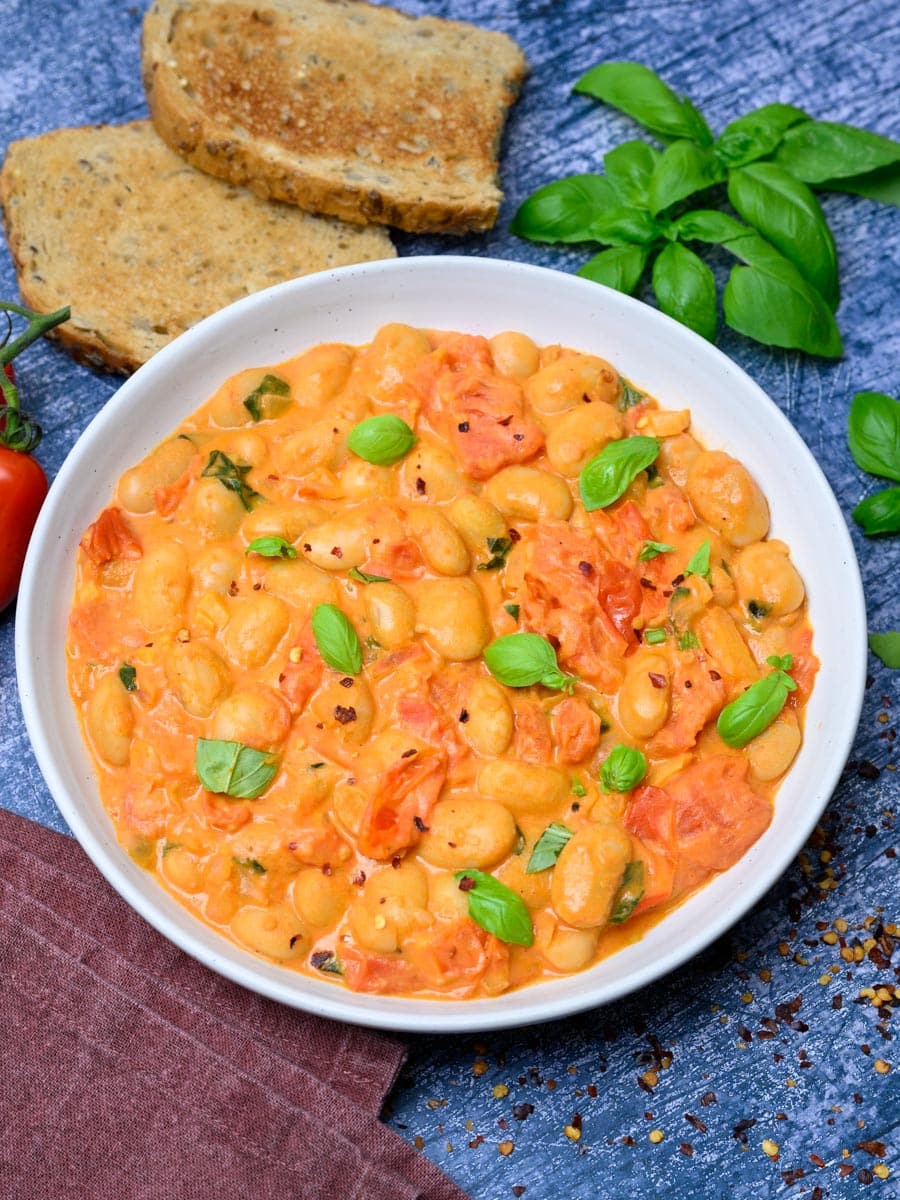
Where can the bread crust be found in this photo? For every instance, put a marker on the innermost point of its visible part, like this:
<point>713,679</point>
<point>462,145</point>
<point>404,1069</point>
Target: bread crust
<point>291,101</point>
<point>142,246</point>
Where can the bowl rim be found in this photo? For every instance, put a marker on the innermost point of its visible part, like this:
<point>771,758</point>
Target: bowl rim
<point>533,1003</point>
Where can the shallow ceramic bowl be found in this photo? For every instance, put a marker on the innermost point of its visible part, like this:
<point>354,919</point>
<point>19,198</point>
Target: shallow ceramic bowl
<point>479,296</point>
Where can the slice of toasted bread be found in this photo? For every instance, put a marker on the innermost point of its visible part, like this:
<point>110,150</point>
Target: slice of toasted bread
<point>336,106</point>
<point>108,219</point>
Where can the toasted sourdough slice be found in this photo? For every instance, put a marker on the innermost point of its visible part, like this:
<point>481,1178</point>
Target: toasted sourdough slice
<point>336,106</point>
<point>142,246</point>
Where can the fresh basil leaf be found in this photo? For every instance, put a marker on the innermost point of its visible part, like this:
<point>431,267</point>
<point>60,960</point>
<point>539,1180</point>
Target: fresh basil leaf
<point>250,864</point>
<point>640,93</point>
<point>879,513</point>
<point>686,289</point>
<point>887,647</point>
<point>755,709</point>
<point>788,215</point>
<point>652,549</point>
<point>231,476</point>
<point>233,769</point>
<point>609,474</point>
<point>578,788</point>
<point>548,847</point>
<point>883,185</point>
<point>684,168</point>
<point>497,908</point>
<point>622,225</point>
<point>779,308</point>
<point>629,395</point>
<point>629,894</point>
<point>689,641</point>
<point>698,563</point>
<point>128,676</point>
<point>365,577</point>
<point>563,211</point>
<point>629,167</point>
<point>708,225</point>
<point>873,433</point>
<point>513,610</point>
<point>817,151</point>
<point>272,547</point>
<point>498,548</point>
<point>381,440</point>
<point>619,267</point>
<point>757,133</point>
<point>271,386</point>
<point>524,659</point>
<point>336,639</point>
<point>654,637</point>
<point>622,769</point>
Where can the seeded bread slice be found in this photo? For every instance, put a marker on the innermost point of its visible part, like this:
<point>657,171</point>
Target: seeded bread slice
<point>108,219</point>
<point>336,106</point>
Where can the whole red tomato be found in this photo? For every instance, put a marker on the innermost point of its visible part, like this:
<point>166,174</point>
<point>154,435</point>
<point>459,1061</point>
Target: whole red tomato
<point>23,486</point>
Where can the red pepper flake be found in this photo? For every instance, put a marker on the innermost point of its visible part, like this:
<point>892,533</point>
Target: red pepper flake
<point>346,682</point>
<point>233,588</point>
<point>514,535</point>
<point>844,1170</point>
<point>576,1121</point>
<point>463,427</point>
<point>476,1141</point>
<point>699,1125</point>
<point>744,1033</point>
<point>740,1130</point>
<point>466,883</point>
<point>793,1175</point>
<point>344,714</point>
<point>648,584</point>
<point>592,1090</point>
<point>409,753</point>
<point>521,1112</point>
<point>519,1189</point>
<point>307,547</point>
<point>506,420</point>
<point>688,684</point>
<point>337,552</point>
<point>518,437</point>
<point>397,861</point>
<point>257,586</point>
<point>816,1160</point>
<point>586,569</point>
<point>326,869</point>
<point>715,676</point>
<point>359,878</point>
<point>628,1140</point>
<point>420,486</point>
<point>295,939</point>
<point>422,828</point>
<point>678,581</point>
<point>320,958</point>
<point>658,681</point>
<point>817,1193</point>
<point>837,1001</point>
<point>877,1149</point>
<point>463,716</point>
<point>687,1149</point>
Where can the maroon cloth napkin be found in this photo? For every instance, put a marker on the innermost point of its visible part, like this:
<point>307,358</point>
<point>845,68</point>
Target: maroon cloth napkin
<point>130,1071</point>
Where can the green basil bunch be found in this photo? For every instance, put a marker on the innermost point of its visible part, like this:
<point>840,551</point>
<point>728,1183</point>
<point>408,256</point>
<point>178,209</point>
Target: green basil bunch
<point>873,433</point>
<point>785,289</point>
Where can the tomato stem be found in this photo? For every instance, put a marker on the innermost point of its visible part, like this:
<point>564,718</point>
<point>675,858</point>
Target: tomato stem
<point>38,324</point>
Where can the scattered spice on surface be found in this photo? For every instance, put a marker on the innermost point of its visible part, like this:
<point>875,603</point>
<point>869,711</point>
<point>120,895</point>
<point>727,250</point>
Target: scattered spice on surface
<point>506,1148</point>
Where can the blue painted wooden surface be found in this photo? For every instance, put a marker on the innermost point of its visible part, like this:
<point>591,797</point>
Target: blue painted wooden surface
<point>748,1042</point>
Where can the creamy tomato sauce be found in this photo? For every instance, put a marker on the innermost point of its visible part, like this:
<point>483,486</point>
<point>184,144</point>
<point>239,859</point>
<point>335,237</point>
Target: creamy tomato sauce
<point>383,823</point>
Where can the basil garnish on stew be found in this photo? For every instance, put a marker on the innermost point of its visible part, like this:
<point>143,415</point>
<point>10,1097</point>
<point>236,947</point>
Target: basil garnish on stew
<point>652,549</point>
<point>754,710</point>
<point>233,769</point>
<point>630,892</point>
<point>128,676</point>
<point>496,908</point>
<point>364,577</point>
<point>548,847</point>
<point>698,563</point>
<point>336,639</point>
<point>523,659</point>
<point>271,385</point>
<point>231,475</point>
<point>623,769</point>
<point>498,548</point>
<point>272,547</point>
<point>381,440</point>
<point>607,476</point>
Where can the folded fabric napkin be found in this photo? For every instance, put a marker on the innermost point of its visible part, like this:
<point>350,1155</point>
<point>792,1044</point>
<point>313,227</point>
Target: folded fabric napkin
<point>131,1072</point>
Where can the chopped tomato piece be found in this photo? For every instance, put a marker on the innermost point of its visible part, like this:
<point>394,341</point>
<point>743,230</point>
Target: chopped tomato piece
<point>621,596</point>
<point>318,845</point>
<point>668,510</point>
<point>300,679</point>
<point>456,955</point>
<point>397,560</point>
<point>533,741</point>
<point>225,814</point>
<point>365,971</point>
<point>696,698</point>
<point>804,667</point>
<point>576,730</point>
<point>400,808</point>
<point>486,426</point>
<point>167,499</point>
<point>110,538</point>
<point>622,530</point>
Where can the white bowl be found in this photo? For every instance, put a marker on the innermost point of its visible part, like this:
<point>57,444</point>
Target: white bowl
<point>475,295</point>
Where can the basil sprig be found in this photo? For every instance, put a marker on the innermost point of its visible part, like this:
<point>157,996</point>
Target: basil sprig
<point>336,639</point>
<point>231,475</point>
<point>754,710</point>
<point>622,769</point>
<point>498,548</point>
<point>381,440</point>
<point>128,677</point>
<point>497,908</point>
<point>652,549</point>
<point>233,769</point>
<point>272,547</point>
<point>271,385</point>
<point>548,847</point>
<point>887,647</point>
<point>768,160</point>
<point>873,433</point>
<point>523,659</point>
<point>629,894</point>
<point>608,474</point>
<point>698,563</point>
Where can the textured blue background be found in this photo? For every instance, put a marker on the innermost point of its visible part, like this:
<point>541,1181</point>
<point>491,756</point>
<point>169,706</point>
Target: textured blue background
<point>804,1075</point>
